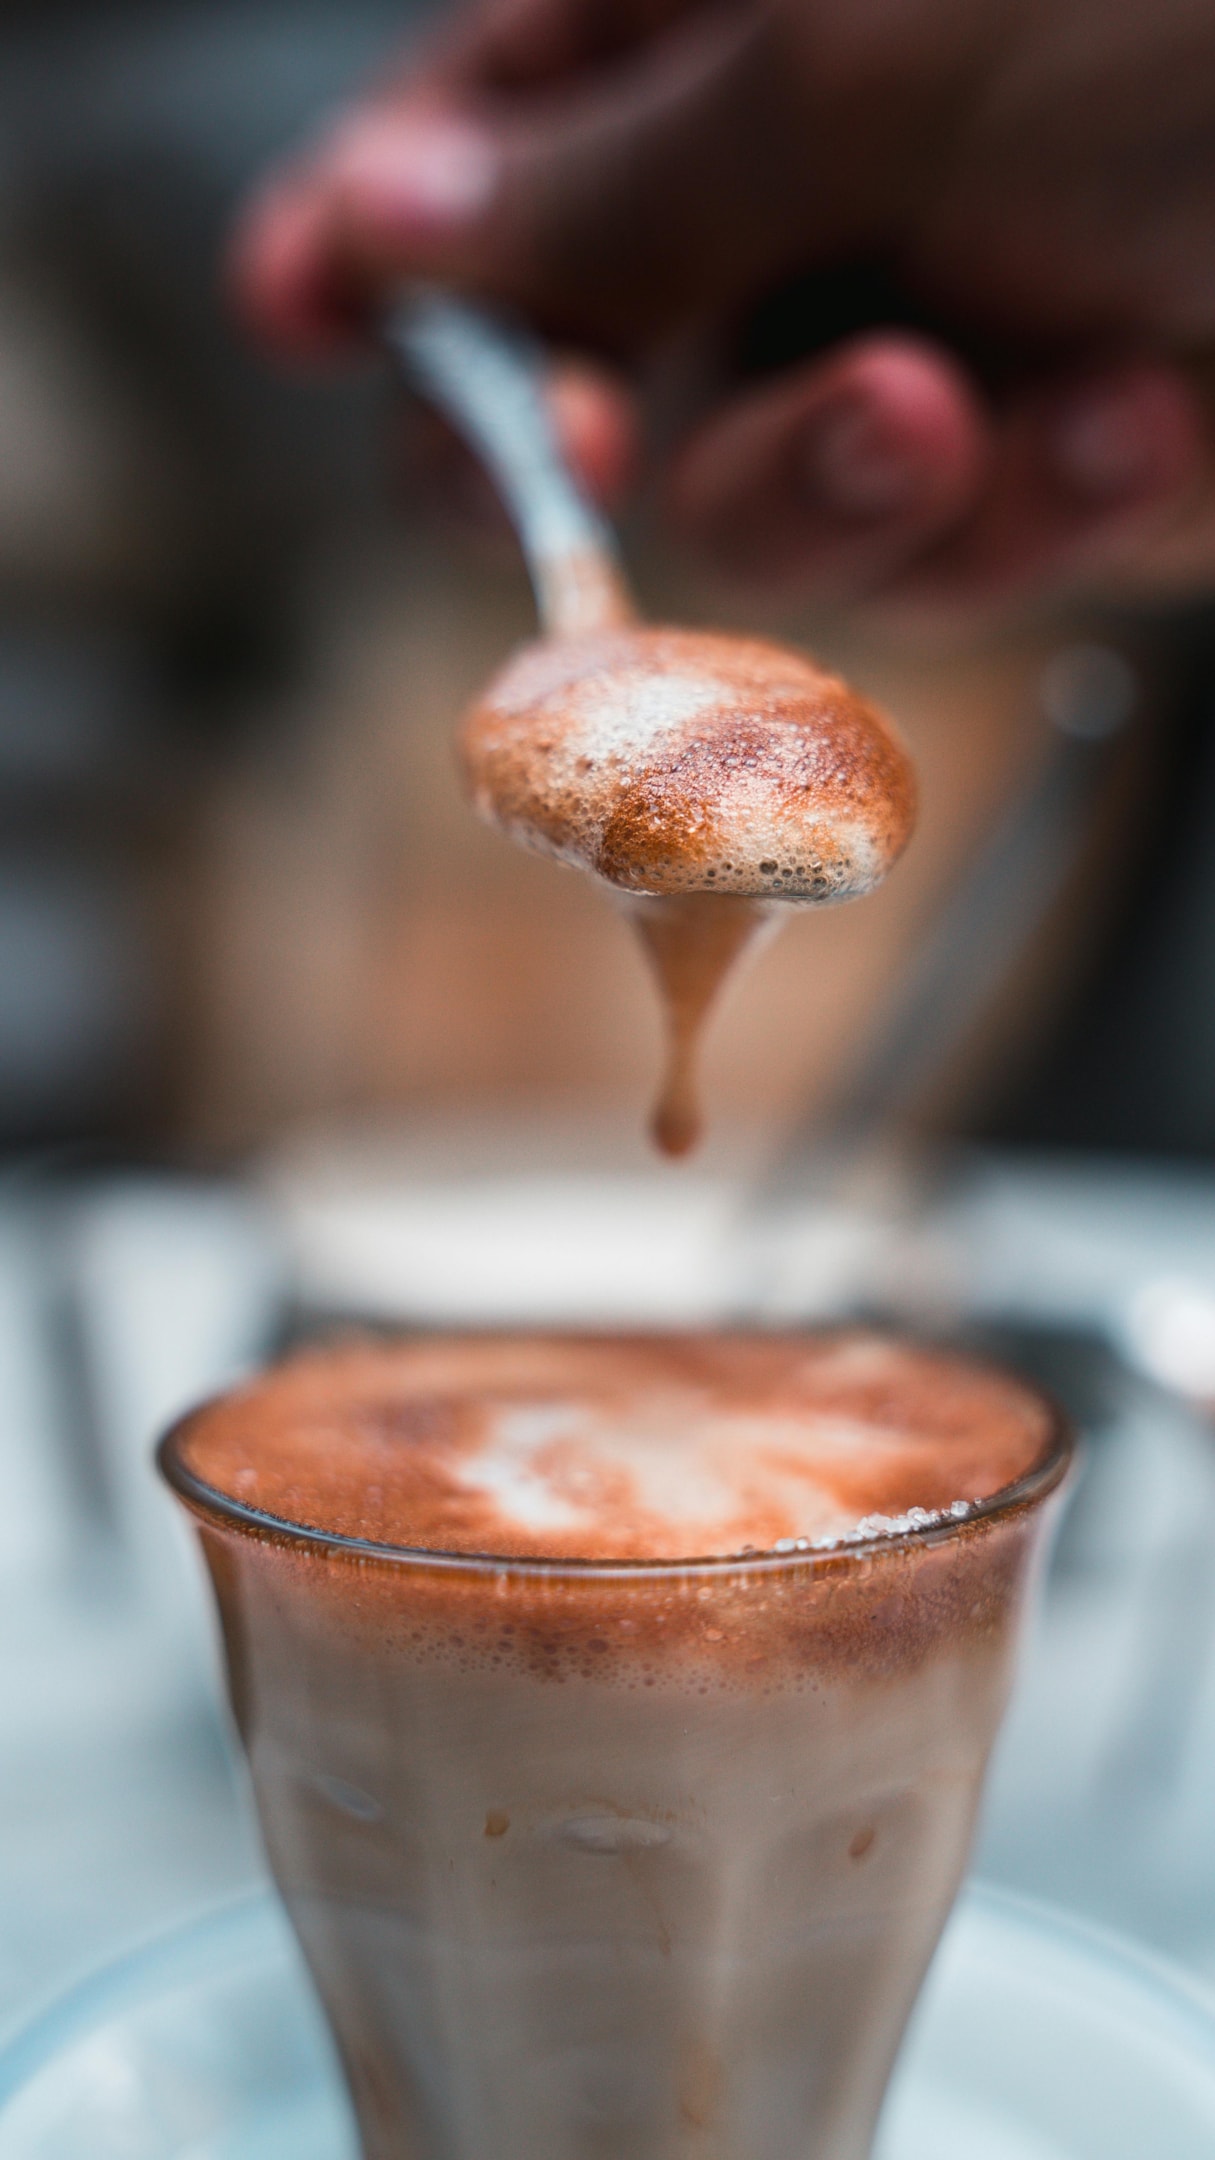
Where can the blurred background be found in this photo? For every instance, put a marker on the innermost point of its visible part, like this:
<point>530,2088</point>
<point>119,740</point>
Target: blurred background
<point>287,1040</point>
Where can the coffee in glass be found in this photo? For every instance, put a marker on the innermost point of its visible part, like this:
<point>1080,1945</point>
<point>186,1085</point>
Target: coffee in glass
<point>617,1710</point>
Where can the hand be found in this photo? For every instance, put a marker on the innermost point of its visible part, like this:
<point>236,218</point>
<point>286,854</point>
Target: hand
<point>1035,184</point>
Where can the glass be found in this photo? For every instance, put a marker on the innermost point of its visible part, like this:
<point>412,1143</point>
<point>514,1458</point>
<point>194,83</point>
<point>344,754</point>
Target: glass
<point>592,1860</point>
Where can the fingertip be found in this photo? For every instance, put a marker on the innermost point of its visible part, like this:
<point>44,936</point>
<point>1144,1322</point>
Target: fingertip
<point>280,273</point>
<point>596,420</point>
<point>411,188</point>
<point>904,431</point>
<point>830,478</point>
<point>386,194</point>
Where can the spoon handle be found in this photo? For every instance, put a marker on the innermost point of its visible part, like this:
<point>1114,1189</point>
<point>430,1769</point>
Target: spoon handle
<point>487,377</point>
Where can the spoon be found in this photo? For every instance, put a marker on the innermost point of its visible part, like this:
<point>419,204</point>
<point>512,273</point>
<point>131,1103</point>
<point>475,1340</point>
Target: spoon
<point>707,779</point>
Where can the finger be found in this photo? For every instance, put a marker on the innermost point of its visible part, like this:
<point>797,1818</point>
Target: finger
<point>523,44</point>
<point>836,477</point>
<point>597,426</point>
<point>415,176</point>
<point>413,138</point>
<point>619,203</point>
<point>635,201</point>
<point>314,255</point>
<point>286,283</point>
<point>1085,477</point>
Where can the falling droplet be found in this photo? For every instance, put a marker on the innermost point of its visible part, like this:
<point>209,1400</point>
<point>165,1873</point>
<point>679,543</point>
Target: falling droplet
<point>692,941</point>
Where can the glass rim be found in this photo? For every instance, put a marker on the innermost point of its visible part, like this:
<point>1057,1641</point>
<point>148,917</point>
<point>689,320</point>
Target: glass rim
<point>1043,1476</point>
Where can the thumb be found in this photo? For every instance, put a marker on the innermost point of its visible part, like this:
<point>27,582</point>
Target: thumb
<point>686,175</point>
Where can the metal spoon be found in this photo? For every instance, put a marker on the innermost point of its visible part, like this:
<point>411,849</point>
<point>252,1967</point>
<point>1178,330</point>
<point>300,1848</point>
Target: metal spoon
<point>488,377</point>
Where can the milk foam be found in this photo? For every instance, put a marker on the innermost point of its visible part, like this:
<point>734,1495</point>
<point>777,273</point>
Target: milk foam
<point>673,761</point>
<point>632,1448</point>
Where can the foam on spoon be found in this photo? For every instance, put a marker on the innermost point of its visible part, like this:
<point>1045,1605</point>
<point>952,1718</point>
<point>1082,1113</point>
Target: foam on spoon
<point>707,779</point>
<point>662,1447</point>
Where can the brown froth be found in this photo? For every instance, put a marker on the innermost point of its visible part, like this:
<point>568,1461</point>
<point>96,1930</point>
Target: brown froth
<point>676,761</point>
<point>659,1448</point>
<point>874,1615</point>
<point>705,775</point>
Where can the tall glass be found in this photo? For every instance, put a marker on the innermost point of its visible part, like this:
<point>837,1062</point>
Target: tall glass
<point>626,1861</point>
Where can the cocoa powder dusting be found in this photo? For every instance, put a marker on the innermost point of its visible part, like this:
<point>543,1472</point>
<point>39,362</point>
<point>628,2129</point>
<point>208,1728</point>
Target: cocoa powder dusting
<point>445,1450</point>
<point>662,1447</point>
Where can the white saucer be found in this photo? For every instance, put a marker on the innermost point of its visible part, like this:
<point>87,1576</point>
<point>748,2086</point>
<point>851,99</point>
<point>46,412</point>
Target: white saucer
<point>1037,2039</point>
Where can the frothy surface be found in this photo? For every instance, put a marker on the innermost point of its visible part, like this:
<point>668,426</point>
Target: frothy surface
<point>675,761</point>
<point>629,1448</point>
